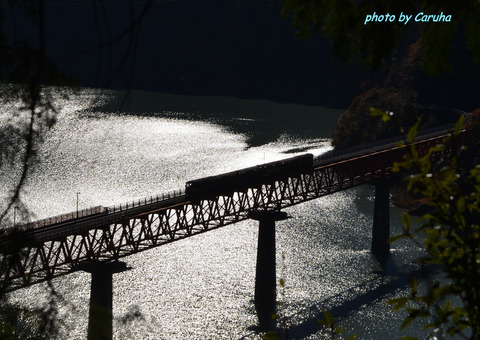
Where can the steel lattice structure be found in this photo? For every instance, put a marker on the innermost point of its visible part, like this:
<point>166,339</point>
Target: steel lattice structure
<point>38,254</point>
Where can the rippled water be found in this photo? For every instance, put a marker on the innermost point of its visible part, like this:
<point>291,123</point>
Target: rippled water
<point>202,287</point>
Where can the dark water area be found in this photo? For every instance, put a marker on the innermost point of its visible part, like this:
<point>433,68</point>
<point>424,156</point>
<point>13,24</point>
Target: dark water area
<point>260,121</point>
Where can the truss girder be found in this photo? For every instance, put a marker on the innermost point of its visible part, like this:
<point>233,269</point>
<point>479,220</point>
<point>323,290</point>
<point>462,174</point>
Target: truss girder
<point>45,259</point>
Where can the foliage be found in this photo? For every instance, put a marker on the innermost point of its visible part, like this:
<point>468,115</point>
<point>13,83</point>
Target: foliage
<point>282,332</point>
<point>28,105</point>
<point>28,109</point>
<point>282,327</point>
<point>18,322</point>
<point>472,126</point>
<point>355,126</point>
<point>403,92</point>
<point>451,237</point>
<point>343,22</point>
<point>334,331</point>
<point>445,175</point>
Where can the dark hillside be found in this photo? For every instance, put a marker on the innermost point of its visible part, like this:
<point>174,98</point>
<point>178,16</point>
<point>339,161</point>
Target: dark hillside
<point>237,48</point>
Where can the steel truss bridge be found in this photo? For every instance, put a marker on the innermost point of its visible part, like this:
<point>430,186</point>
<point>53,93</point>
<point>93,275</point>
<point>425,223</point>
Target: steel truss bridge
<point>41,251</point>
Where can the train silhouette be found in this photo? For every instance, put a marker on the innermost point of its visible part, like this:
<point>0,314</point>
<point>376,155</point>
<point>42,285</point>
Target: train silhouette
<point>249,177</point>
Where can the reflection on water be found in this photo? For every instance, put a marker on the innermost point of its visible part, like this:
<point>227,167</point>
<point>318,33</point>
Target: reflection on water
<point>259,121</point>
<point>202,287</point>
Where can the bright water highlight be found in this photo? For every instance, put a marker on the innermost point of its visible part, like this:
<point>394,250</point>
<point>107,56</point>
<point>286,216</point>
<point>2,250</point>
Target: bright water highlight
<point>202,287</point>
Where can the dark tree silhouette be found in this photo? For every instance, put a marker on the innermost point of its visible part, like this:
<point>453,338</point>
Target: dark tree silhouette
<point>375,43</point>
<point>30,91</point>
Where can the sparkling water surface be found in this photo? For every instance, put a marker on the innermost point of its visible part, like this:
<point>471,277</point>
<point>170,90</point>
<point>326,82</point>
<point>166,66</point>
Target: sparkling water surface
<point>202,287</point>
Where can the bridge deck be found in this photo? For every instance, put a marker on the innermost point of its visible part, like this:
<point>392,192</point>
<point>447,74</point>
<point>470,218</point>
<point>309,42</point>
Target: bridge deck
<point>38,253</point>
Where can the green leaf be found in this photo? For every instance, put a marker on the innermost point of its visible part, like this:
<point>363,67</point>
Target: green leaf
<point>412,133</point>
<point>396,167</point>
<point>397,237</point>
<point>323,322</point>
<point>414,285</point>
<point>407,321</point>
<point>406,221</point>
<point>398,302</point>
<point>459,125</point>
<point>328,318</point>
<point>374,112</point>
<point>436,148</point>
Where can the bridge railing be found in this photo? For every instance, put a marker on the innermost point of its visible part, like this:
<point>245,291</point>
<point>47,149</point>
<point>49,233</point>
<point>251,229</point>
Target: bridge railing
<point>319,160</point>
<point>146,200</point>
<point>84,213</point>
<point>64,217</point>
<point>339,154</point>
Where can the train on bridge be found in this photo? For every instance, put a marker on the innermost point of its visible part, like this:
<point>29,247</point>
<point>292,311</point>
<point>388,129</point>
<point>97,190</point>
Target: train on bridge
<point>230,182</point>
<point>348,161</point>
<point>57,245</point>
<point>249,177</point>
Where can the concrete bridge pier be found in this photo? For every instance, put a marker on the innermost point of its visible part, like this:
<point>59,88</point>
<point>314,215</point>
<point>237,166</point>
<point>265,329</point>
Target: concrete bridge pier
<point>381,218</point>
<point>265,276</point>
<point>101,298</point>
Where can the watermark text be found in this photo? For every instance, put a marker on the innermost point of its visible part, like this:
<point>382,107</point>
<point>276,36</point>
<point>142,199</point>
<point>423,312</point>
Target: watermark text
<point>405,18</point>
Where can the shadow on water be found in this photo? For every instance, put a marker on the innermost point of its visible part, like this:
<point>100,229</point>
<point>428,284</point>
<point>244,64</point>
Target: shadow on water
<point>386,283</point>
<point>260,121</point>
<point>384,286</point>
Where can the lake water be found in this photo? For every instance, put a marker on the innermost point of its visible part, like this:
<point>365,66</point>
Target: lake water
<point>202,287</point>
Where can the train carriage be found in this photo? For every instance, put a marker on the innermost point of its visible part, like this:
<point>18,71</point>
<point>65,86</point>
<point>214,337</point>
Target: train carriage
<point>249,177</point>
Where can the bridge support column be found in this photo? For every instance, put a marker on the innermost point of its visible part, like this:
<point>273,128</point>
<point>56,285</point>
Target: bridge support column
<point>101,299</point>
<point>381,218</point>
<point>265,276</point>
